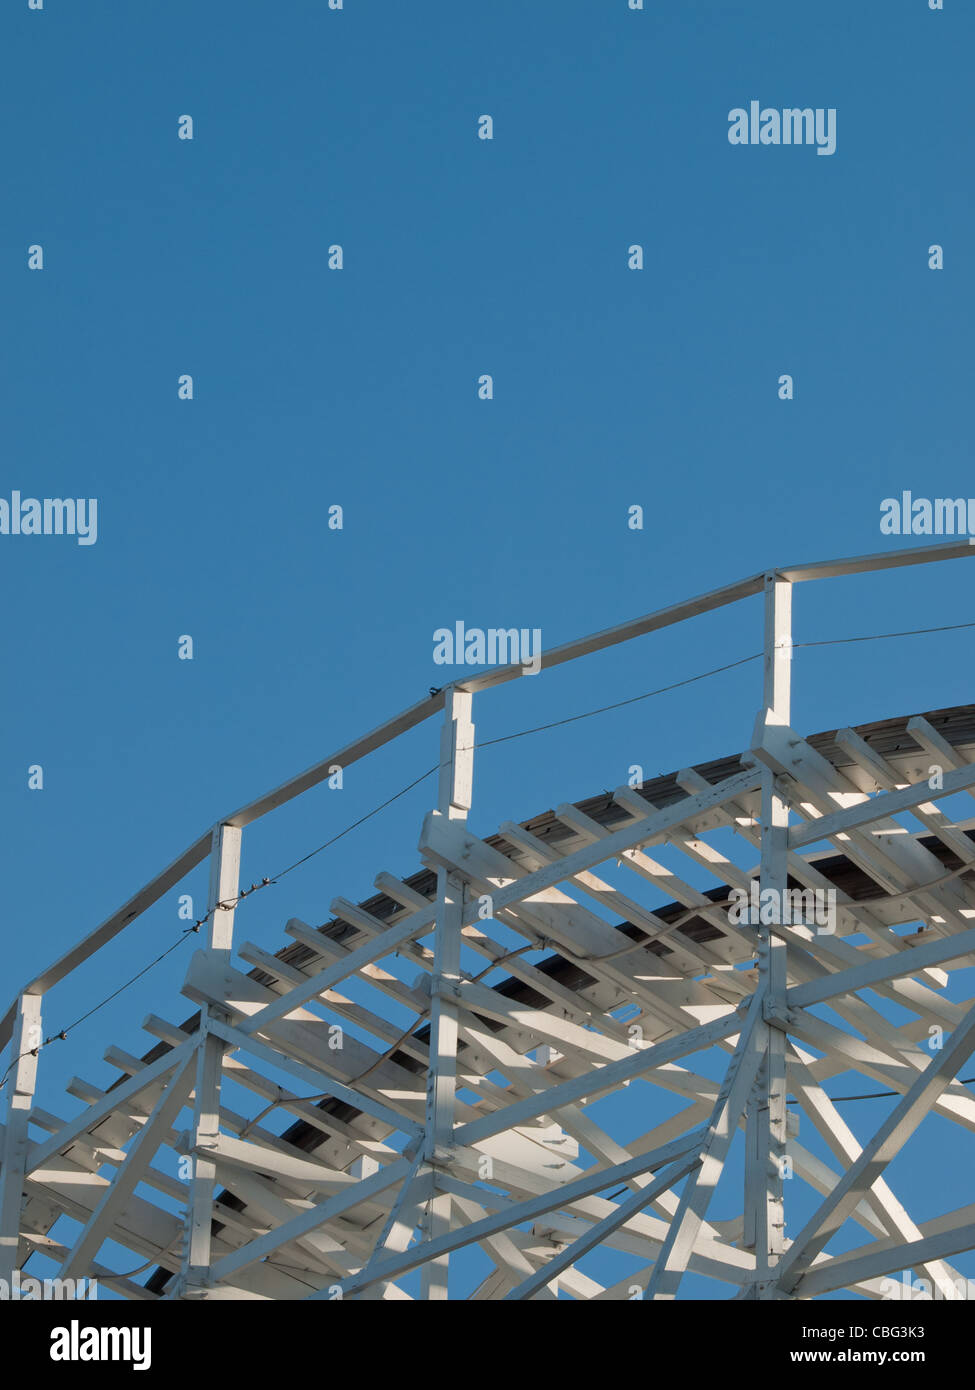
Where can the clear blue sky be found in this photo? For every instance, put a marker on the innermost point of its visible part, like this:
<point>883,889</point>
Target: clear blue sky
<point>358,388</point>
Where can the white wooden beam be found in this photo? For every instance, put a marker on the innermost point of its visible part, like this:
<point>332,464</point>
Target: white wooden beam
<point>224,888</point>
<point>115,1099</point>
<point>602,1079</point>
<point>732,1099</point>
<point>515,1214</point>
<point>21,1081</point>
<point>886,1143</point>
<point>766,1113</point>
<point>307,1221</point>
<point>633,1204</point>
<point>876,808</point>
<point>455,791</point>
<point>153,1133</point>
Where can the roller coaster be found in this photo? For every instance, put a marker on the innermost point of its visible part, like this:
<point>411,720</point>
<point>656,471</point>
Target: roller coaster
<point>523,1071</point>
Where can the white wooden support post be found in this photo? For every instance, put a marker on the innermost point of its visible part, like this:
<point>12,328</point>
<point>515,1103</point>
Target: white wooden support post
<point>224,887</point>
<point>24,1044</point>
<point>766,1116</point>
<point>454,802</point>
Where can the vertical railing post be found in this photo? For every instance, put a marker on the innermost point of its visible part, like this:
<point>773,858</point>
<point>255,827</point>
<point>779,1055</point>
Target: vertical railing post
<point>766,1132</point>
<point>454,802</point>
<point>224,887</point>
<point>24,1046</point>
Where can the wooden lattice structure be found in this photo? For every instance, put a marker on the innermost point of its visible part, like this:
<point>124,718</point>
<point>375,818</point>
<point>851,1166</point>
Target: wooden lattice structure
<point>422,1070</point>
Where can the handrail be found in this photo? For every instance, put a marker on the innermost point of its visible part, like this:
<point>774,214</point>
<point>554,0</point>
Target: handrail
<point>416,714</point>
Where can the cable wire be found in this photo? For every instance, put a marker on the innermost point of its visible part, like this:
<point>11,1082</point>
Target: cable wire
<point>883,636</point>
<point>618,704</point>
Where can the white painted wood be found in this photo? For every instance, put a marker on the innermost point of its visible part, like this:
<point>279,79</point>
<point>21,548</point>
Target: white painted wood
<point>884,1146</point>
<point>888,559</point>
<point>79,1259</point>
<point>311,1218</point>
<point>879,807</point>
<point>455,793</point>
<point>110,1101</point>
<point>675,1254</point>
<point>518,1213</point>
<point>636,1202</point>
<point>766,1128</point>
<point>224,888</point>
<point>21,1081</point>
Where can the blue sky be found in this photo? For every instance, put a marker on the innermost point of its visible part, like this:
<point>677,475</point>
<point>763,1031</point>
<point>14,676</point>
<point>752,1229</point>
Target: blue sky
<point>358,388</point>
